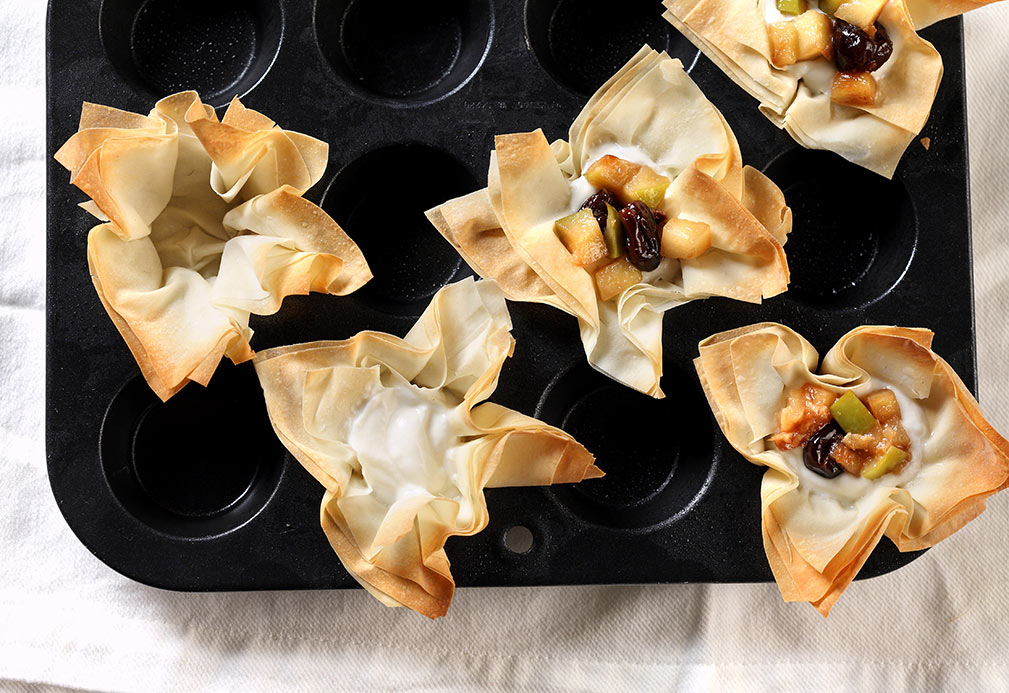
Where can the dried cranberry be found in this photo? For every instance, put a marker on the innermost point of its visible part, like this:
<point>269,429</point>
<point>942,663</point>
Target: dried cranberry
<point>642,236</point>
<point>816,455</point>
<point>856,50</point>
<point>597,203</point>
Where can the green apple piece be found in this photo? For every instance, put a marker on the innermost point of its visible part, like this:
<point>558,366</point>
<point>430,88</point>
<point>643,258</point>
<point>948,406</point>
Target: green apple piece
<point>829,7</point>
<point>792,6</point>
<point>613,234</point>
<point>581,235</point>
<point>853,416</point>
<point>885,463</point>
<point>647,186</point>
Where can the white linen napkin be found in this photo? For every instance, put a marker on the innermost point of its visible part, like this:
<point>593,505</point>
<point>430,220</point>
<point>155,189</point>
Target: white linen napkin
<point>68,621</point>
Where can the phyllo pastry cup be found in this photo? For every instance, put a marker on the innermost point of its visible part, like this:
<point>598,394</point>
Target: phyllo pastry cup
<point>651,116</point>
<point>867,113</point>
<point>818,531</point>
<point>400,435</point>
<point>204,225</point>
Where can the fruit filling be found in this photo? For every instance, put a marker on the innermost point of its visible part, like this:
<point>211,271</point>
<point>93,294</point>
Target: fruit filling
<point>844,434</point>
<point>620,230</point>
<point>846,33</point>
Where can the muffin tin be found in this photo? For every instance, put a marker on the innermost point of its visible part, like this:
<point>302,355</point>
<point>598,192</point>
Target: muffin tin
<point>198,494</point>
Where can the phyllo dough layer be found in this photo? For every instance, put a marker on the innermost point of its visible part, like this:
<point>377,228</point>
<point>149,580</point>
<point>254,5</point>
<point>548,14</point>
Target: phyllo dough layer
<point>818,532</point>
<point>648,113</point>
<point>399,434</point>
<point>205,225</point>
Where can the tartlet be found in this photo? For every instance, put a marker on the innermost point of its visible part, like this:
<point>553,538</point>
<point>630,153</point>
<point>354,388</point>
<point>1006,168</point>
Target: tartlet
<point>399,434</point>
<point>851,77</point>
<point>205,224</point>
<point>818,532</point>
<point>523,230</point>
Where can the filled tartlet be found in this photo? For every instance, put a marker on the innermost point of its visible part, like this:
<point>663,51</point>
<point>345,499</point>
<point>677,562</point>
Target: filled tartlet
<point>885,440</point>
<point>399,434</point>
<point>645,207</point>
<point>204,225</point>
<point>852,76</point>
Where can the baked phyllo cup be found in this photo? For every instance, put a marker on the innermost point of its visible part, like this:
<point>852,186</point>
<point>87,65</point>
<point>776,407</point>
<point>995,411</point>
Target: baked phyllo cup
<point>204,225</point>
<point>645,207</point>
<point>884,441</point>
<point>852,77</point>
<point>400,435</point>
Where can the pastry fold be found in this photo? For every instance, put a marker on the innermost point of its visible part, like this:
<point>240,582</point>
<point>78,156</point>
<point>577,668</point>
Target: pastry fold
<point>819,532</point>
<point>400,435</point>
<point>505,231</point>
<point>733,34</point>
<point>928,12</point>
<point>205,224</point>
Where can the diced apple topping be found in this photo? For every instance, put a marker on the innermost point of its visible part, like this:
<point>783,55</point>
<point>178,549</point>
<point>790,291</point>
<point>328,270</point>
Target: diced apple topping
<point>806,411</point>
<point>861,13</point>
<point>829,6</point>
<point>784,43</point>
<point>815,34</point>
<point>862,437</point>
<point>808,36</point>
<point>685,239</point>
<point>792,6</point>
<point>647,186</point>
<point>581,235</point>
<point>628,180</point>
<point>851,461</point>
<point>611,172</point>
<point>613,234</point>
<point>883,405</point>
<point>616,277</point>
<point>853,89</point>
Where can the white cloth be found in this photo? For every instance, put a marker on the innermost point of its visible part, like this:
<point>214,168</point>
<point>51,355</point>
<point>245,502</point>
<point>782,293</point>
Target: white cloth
<point>67,621</point>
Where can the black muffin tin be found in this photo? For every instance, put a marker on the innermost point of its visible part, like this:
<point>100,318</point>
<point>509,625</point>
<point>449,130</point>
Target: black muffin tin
<point>198,494</point>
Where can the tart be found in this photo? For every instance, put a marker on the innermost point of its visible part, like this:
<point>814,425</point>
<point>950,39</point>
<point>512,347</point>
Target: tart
<point>204,224</point>
<point>400,435</point>
<point>851,77</point>
<point>646,206</point>
<point>884,441</point>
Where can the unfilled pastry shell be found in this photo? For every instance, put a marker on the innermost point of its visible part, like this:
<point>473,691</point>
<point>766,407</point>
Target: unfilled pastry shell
<point>205,225</point>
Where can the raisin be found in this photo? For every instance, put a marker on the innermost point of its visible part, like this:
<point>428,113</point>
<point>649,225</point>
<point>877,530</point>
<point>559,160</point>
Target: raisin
<point>642,236</point>
<point>597,203</point>
<point>817,453</point>
<point>660,220</point>
<point>855,50</point>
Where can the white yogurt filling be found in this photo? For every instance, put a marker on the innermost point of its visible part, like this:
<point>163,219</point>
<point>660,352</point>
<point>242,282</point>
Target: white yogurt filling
<point>408,443</point>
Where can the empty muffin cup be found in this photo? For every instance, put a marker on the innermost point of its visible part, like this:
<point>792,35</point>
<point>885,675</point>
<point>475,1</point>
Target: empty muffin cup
<point>657,453</point>
<point>410,261</point>
<point>581,43</point>
<point>854,232</point>
<point>404,52</point>
<point>202,464</point>
<point>220,49</point>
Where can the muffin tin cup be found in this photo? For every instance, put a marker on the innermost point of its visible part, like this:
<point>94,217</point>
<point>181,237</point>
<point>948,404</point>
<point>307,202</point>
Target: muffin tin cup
<point>198,494</point>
